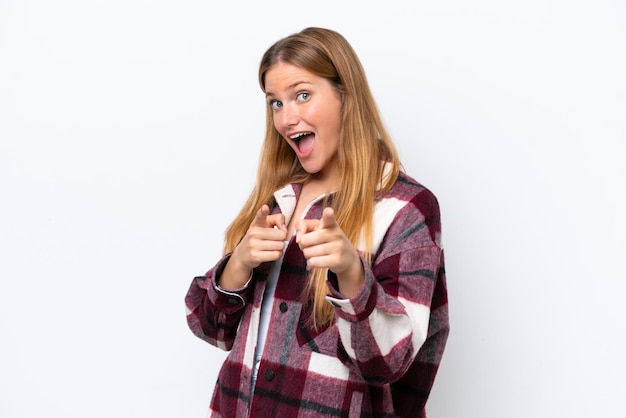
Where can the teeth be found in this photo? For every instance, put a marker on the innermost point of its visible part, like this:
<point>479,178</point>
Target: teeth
<point>300,135</point>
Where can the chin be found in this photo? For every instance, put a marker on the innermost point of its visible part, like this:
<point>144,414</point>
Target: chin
<point>314,171</point>
<point>309,168</point>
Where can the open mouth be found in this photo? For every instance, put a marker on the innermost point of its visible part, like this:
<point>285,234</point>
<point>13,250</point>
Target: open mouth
<point>304,141</point>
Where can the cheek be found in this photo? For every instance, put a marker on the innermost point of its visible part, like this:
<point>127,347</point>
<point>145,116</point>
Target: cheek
<point>330,117</point>
<point>333,121</point>
<point>276,126</point>
<point>281,134</point>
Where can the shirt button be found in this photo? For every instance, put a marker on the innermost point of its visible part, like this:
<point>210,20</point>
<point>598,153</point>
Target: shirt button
<point>269,375</point>
<point>233,301</point>
<point>283,307</point>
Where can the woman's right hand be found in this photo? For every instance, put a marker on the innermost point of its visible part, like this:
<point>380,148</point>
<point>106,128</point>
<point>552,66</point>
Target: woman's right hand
<point>264,241</point>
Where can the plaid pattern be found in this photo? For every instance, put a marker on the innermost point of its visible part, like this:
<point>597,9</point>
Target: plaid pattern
<point>380,356</point>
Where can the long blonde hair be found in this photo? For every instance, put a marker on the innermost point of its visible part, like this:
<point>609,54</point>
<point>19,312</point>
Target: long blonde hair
<point>363,144</point>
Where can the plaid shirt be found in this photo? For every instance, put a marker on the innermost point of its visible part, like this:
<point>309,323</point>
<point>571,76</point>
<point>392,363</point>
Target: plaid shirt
<point>379,357</point>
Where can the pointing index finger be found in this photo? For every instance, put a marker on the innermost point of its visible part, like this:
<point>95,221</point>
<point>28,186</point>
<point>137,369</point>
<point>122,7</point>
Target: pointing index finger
<point>261,216</point>
<point>328,218</point>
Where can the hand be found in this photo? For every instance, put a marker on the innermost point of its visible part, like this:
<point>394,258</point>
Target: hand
<point>325,245</point>
<point>264,241</point>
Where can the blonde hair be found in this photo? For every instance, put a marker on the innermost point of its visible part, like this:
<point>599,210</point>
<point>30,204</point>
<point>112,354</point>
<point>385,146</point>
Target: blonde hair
<point>363,145</point>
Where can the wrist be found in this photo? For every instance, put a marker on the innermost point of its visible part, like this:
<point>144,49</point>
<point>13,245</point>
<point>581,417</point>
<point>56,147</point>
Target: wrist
<point>351,279</point>
<point>235,275</point>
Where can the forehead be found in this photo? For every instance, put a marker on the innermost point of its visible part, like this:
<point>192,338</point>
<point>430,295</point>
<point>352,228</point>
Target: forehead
<point>282,76</point>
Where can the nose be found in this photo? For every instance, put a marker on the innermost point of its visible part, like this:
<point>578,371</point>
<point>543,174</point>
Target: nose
<point>289,115</point>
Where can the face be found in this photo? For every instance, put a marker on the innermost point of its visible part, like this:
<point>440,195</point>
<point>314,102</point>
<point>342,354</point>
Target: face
<point>307,114</point>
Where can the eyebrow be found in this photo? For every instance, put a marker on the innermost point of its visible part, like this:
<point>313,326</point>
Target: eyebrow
<point>289,87</point>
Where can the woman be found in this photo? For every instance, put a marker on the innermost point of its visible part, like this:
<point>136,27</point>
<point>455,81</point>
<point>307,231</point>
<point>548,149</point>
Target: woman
<point>331,293</point>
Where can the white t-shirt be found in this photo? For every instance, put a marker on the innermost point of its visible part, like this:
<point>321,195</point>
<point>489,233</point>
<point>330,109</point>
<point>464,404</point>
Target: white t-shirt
<point>266,311</point>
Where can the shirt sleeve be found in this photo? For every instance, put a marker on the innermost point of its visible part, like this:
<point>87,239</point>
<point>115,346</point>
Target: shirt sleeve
<point>213,313</point>
<point>385,325</point>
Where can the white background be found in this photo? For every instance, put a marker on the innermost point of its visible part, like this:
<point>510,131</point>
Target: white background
<point>129,136</point>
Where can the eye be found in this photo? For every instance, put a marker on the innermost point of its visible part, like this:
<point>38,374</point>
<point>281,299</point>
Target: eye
<point>275,104</point>
<point>303,96</point>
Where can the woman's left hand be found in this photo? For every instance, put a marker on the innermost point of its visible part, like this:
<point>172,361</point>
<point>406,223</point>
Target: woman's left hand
<point>325,245</point>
